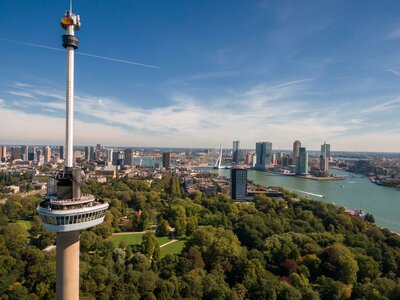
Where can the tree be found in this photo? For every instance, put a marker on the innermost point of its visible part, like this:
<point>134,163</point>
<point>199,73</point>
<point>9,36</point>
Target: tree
<point>15,237</point>
<point>178,214</point>
<point>175,186</point>
<point>215,244</point>
<point>150,246</point>
<point>17,292</point>
<point>366,291</point>
<point>339,262</point>
<point>369,218</point>
<point>368,267</point>
<point>37,227</point>
<point>215,287</point>
<point>191,225</point>
<point>163,229</point>
<point>329,289</point>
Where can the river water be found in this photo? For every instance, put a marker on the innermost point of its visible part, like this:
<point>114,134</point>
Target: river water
<point>355,191</point>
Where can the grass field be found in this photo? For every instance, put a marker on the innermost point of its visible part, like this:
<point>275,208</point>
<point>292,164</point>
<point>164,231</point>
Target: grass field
<point>135,239</point>
<point>174,248</point>
<point>26,224</point>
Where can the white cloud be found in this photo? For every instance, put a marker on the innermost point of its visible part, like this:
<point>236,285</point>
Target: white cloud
<point>394,34</point>
<point>385,106</point>
<point>21,94</point>
<point>265,112</point>
<point>393,71</point>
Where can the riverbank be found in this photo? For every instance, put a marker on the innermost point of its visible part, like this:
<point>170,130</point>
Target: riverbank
<point>332,177</point>
<point>323,178</point>
<point>352,192</point>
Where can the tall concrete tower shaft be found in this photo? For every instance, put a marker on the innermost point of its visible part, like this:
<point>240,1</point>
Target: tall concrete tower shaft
<point>65,209</point>
<point>70,22</point>
<point>69,134</point>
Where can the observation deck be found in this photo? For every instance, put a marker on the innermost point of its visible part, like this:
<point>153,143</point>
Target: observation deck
<point>65,208</point>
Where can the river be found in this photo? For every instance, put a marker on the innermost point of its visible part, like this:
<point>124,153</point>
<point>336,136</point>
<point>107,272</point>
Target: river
<point>355,191</point>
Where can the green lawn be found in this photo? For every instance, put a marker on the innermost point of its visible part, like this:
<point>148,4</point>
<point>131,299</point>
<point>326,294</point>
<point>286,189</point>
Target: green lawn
<point>26,224</point>
<point>135,239</point>
<point>174,248</point>
<point>162,240</point>
<point>129,239</point>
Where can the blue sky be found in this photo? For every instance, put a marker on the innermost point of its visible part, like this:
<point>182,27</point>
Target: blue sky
<point>248,70</point>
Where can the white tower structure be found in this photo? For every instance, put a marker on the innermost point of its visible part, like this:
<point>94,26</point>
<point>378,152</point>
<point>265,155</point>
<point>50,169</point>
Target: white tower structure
<point>64,209</point>
<point>219,159</point>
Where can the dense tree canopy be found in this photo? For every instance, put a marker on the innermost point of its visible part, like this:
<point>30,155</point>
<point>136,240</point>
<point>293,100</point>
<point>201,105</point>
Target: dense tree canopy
<point>267,249</point>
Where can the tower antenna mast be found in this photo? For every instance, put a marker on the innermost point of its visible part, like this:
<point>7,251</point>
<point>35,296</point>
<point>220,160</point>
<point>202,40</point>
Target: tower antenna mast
<point>65,209</point>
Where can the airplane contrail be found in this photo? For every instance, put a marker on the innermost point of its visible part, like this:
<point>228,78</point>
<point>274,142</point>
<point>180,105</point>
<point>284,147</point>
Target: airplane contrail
<point>82,53</point>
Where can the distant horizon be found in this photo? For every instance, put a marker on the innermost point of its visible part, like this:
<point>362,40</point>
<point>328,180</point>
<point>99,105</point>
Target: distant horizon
<point>190,148</point>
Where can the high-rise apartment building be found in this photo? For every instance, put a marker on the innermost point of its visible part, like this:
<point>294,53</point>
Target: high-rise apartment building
<point>274,160</point>
<point>253,160</point>
<point>324,158</point>
<point>129,153</point>
<point>32,155</point>
<point>62,152</point>
<point>238,183</point>
<point>248,158</point>
<point>97,152</point>
<point>47,154</point>
<point>296,152</point>
<point>3,153</point>
<point>24,152</point>
<point>167,160</point>
<point>112,156</point>
<point>15,153</point>
<point>264,155</point>
<point>118,157</point>
<point>302,166</point>
<point>235,152</point>
<point>88,152</point>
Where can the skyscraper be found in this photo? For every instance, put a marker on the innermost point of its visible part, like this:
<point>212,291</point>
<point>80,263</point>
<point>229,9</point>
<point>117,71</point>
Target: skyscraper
<point>248,158</point>
<point>32,156</point>
<point>296,152</point>
<point>97,152</point>
<point>236,152</point>
<point>274,160</point>
<point>65,210</point>
<point>166,160</point>
<point>302,166</point>
<point>238,183</point>
<point>324,158</point>
<point>129,156</point>
<point>47,154</point>
<point>111,156</point>
<point>117,158</point>
<point>15,153</point>
<point>264,155</point>
<point>3,153</point>
<point>88,151</point>
<point>62,152</point>
<point>24,152</point>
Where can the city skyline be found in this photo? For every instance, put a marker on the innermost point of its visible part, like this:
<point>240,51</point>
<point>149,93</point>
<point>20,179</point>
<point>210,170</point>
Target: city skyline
<point>269,73</point>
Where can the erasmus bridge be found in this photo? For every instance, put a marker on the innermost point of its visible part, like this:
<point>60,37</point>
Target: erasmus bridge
<point>219,159</point>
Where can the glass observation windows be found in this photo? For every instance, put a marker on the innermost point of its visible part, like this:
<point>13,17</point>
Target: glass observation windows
<point>73,219</point>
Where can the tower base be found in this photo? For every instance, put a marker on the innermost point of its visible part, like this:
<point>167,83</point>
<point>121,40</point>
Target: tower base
<point>67,266</point>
